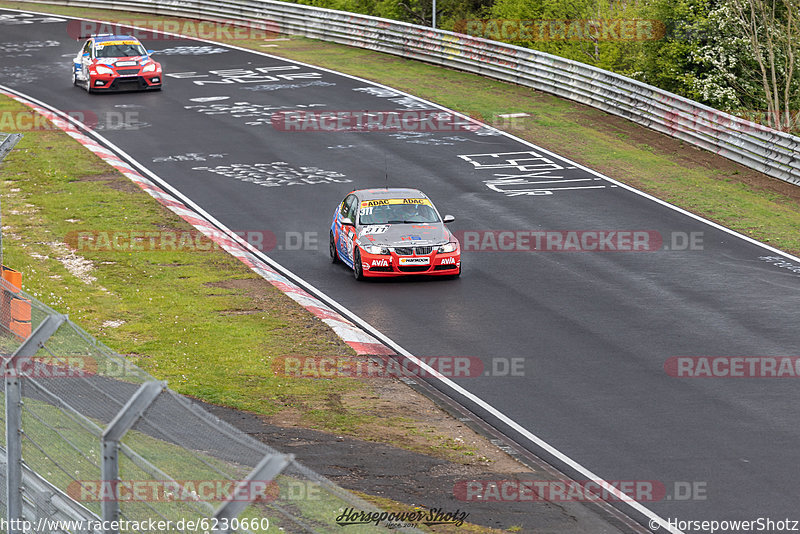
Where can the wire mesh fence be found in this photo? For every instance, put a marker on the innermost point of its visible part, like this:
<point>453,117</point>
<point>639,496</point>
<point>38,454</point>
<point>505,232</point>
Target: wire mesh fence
<point>99,439</point>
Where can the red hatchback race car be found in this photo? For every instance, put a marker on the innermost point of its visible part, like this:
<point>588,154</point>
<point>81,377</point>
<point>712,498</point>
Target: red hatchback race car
<point>115,63</point>
<point>393,232</point>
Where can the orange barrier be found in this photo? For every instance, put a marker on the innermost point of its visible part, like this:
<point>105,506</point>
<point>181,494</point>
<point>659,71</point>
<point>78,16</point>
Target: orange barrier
<point>15,311</point>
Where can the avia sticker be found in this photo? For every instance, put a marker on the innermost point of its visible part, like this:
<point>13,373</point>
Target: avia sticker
<point>449,261</point>
<point>380,263</point>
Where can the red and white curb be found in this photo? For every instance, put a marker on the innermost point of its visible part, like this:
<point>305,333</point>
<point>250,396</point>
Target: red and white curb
<point>359,340</point>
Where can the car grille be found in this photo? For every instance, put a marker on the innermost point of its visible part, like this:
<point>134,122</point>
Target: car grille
<point>127,72</point>
<point>408,251</point>
<point>413,268</point>
<point>444,267</point>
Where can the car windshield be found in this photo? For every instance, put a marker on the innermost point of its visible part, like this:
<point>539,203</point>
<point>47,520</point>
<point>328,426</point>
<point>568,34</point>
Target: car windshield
<point>398,214</point>
<point>121,50</point>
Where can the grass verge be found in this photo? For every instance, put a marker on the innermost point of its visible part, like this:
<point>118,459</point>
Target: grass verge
<point>197,318</point>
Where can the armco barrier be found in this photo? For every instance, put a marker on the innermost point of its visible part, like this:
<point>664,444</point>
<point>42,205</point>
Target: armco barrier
<point>758,147</point>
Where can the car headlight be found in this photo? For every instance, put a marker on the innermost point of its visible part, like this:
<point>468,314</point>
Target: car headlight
<point>103,70</point>
<point>150,68</point>
<point>448,247</point>
<point>376,249</point>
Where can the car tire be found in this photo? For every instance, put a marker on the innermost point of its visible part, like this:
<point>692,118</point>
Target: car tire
<point>333,252</point>
<point>358,270</point>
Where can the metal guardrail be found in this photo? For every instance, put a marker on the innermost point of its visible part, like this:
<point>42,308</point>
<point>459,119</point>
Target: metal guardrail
<point>756,146</point>
<point>7,142</point>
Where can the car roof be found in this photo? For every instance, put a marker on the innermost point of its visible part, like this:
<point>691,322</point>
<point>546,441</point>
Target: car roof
<point>107,37</point>
<point>391,192</point>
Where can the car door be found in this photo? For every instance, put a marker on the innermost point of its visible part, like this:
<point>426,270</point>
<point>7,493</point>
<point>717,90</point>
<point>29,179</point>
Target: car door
<point>346,232</point>
<point>85,60</point>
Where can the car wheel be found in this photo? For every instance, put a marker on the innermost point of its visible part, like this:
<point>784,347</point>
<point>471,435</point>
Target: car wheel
<point>334,253</point>
<point>74,78</point>
<point>358,271</point>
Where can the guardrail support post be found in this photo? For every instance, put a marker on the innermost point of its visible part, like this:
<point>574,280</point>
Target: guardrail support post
<point>116,429</point>
<point>266,470</point>
<point>13,400</point>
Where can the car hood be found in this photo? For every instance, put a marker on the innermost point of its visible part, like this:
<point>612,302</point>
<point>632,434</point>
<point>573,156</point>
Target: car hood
<point>403,235</point>
<point>110,61</point>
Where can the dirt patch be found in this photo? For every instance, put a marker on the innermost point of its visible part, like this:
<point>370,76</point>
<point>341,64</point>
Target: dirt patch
<point>114,181</point>
<point>265,299</point>
<point>414,479</point>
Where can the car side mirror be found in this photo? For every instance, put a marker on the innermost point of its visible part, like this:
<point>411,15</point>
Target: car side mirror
<point>85,54</point>
<point>448,219</point>
<point>347,221</point>
<point>150,52</point>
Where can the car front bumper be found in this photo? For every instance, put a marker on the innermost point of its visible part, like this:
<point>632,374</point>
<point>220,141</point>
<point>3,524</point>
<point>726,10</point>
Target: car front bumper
<point>389,265</point>
<point>126,83</point>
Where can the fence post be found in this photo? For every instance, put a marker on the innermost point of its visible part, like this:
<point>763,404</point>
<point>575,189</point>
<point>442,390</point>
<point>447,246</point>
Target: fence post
<point>267,469</point>
<point>116,429</point>
<point>13,412</point>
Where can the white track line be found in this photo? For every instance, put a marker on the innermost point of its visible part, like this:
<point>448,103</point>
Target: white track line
<point>653,517</point>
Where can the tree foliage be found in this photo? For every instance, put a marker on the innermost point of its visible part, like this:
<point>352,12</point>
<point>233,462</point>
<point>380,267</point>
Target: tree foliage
<point>733,55</point>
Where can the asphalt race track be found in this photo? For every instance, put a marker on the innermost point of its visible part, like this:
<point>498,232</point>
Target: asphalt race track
<point>594,329</point>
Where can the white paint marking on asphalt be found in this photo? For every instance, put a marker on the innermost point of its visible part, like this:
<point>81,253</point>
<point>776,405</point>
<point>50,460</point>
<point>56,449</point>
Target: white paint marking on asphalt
<point>364,325</point>
<point>523,431</point>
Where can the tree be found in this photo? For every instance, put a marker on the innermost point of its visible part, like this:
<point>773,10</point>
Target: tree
<point>771,28</point>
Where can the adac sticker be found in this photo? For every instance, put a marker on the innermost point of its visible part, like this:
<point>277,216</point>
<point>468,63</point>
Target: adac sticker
<point>113,43</point>
<point>388,201</point>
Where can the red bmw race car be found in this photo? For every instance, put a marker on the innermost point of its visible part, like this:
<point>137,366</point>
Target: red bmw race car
<point>393,232</point>
<point>115,63</point>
